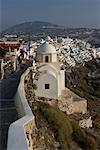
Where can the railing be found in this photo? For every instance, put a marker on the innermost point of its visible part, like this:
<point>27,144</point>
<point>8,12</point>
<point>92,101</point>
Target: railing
<point>17,139</point>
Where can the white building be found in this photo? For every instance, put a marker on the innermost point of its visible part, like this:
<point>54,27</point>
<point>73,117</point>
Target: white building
<point>51,79</point>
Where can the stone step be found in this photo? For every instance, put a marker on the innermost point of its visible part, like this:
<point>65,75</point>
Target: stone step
<point>3,136</point>
<point>7,104</point>
<point>8,115</point>
<point>7,108</point>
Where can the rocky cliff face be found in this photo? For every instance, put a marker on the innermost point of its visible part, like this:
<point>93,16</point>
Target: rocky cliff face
<point>85,80</point>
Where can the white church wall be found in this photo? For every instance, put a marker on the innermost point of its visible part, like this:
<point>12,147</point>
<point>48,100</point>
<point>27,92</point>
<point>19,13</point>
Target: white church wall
<point>59,85</point>
<point>45,56</point>
<point>61,82</point>
<point>54,58</point>
<point>52,81</point>
<point>48,67</point>
<point>62,79</point>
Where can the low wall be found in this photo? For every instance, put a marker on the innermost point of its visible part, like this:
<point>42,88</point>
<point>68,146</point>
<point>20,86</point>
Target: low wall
<point>71,103</point>
<point>17,134</point>
<point>80,106</point>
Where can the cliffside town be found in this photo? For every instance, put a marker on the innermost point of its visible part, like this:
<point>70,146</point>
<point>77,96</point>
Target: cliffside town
<point>62,89</point>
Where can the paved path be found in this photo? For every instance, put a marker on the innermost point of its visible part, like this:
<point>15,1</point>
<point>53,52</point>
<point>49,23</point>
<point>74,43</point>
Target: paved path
<point>8,112</point>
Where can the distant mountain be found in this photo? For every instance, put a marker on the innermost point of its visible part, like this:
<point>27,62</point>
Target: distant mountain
<point>32,28</point>
<point>40,29</point>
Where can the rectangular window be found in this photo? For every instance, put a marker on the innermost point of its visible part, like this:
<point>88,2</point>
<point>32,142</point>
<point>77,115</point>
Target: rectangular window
<point>46,59</point>
<point>47,86</point>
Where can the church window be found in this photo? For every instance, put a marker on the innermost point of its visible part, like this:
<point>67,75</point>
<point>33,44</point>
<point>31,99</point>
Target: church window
<point>46,59</point>
<point>47,86</point>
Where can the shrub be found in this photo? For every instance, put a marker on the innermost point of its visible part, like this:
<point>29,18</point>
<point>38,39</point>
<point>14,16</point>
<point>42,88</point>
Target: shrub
<point>2,53</point>
<point>85,141</point>
<point>59,123</point>
<point>65,130</point>
<point>25,81</point>
<point>34,86</point>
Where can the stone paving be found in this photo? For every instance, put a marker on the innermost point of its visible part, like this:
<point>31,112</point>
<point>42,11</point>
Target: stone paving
<point>8,112</point>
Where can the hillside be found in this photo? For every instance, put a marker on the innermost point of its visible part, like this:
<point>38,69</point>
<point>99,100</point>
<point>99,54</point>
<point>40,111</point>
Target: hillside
<point>54,130</point>
<point>85,81</point>
<point>35,27</point>
<point>40,29</point>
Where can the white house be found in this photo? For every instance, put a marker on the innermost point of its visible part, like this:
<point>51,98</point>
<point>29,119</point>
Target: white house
<point>51,79</point>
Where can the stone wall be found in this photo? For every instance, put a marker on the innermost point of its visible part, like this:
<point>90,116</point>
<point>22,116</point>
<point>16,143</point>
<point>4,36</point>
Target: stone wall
<point>28,128</point>
<point>80,106</point>
<point>71,103</point>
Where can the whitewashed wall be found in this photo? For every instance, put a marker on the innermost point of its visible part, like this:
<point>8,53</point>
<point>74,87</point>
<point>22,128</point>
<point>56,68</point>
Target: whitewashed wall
<point>61,82</point>
<point>16,136</point>
<point>47,78</point>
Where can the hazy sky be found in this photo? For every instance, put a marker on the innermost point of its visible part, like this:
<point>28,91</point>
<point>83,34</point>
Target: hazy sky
<point>69,13</point>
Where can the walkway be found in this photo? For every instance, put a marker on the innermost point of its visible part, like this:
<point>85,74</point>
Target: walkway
<point>8,112</point>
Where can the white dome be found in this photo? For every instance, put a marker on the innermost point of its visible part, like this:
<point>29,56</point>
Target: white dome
<point>46,48</point>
